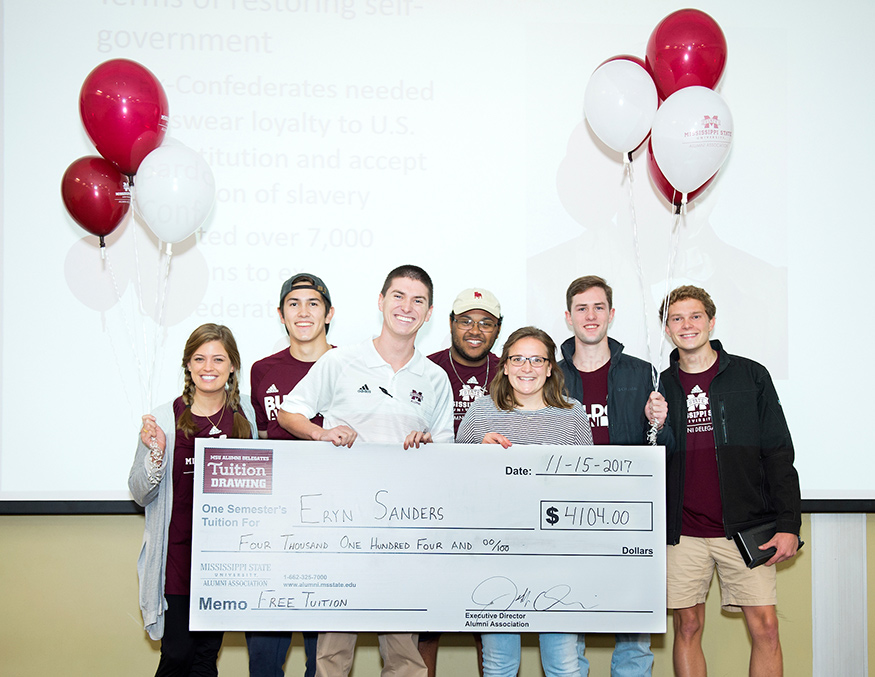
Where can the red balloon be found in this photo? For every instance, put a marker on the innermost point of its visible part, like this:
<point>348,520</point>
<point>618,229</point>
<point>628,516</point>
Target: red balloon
<point>664,187</point>
<point>124,110</point>
<point>686,48</point>
<point>89,188</point>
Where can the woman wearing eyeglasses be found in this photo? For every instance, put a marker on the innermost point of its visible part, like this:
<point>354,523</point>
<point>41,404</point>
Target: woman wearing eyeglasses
<point>526,406</point>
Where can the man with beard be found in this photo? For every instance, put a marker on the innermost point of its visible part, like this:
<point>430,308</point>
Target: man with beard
<point>475,322</point>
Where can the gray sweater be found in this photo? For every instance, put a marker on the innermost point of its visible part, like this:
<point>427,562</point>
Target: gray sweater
<point>157,498</point>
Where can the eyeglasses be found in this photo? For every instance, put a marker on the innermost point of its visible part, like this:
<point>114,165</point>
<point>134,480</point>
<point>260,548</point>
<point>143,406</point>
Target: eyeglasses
<point>535,360</point>
<point>486,326</point>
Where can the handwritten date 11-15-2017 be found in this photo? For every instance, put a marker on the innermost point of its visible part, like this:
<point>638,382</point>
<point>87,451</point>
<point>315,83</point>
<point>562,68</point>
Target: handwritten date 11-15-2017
<point>562,464</point>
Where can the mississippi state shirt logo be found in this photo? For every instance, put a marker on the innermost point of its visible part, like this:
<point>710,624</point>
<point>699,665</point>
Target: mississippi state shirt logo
<point>698,411</point>
<point>416,397</point>
<point>471,390</point>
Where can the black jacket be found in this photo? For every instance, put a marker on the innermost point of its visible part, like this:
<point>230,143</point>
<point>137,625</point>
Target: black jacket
<point>629,386</point>
<point>758,482</point>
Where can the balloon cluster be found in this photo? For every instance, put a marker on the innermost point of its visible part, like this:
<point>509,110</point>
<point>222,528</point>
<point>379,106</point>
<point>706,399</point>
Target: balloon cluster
<point>669,97</point>
<point>125,113</point>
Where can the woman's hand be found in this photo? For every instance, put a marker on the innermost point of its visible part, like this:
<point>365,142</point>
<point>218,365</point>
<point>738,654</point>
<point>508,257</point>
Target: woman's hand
<point>153,437</point>
<point>496,438</point>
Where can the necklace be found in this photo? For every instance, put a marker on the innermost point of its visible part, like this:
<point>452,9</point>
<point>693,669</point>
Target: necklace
<point>215,428</point>
<point>453,365</point>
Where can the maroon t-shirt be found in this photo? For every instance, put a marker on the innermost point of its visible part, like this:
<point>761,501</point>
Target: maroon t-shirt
<point>467,383</point>
<point>703,509</point>
<point>271,379</point>
<point>595,401</point>
<point>178,580</point>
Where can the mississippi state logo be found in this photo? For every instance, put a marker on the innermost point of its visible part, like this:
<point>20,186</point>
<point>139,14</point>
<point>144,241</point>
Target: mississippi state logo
<point>711,122</point>
<point>416,397</point>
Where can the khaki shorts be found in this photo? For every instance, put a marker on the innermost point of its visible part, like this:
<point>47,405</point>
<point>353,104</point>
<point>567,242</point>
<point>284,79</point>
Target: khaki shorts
<point>690,567</point>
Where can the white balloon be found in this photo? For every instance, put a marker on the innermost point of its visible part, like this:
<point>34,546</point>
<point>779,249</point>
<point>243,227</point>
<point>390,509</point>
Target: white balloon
<point>174,191</point>
<point>692,135</point>
<point>619,104</point>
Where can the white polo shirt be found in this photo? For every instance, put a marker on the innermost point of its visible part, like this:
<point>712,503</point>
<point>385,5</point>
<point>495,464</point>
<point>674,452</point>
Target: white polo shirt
<point>354,386</point>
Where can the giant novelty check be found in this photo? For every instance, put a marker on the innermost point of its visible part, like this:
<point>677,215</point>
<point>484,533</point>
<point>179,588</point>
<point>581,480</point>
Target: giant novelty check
<point>305,536</point>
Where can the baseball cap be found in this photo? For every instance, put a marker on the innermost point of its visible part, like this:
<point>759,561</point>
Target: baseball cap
<point>305,281</point>
<point>479,299</point>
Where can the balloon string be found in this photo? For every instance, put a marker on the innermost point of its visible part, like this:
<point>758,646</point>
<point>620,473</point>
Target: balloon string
<point>146,379</point>
<point>161,298</point>
<point>654,372</point>
<point>128,331</point>
<point>674,241</point>
<point>115,354</point>
<point>640,268</point>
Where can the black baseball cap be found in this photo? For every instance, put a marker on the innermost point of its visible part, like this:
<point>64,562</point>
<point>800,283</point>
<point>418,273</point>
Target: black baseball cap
<point>306,281</point>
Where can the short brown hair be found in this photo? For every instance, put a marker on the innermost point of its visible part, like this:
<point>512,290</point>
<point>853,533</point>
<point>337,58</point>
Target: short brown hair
<point>581,284</point>
<point>500,388</point>
<point>685,292</point>
<point>411,272</point>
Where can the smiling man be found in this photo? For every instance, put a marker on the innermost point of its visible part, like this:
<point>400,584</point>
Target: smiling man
<point>305,310</point>
<point>616,390</point>
<point>385,391</point>
<point>733,470</point>
<point>475,323</point>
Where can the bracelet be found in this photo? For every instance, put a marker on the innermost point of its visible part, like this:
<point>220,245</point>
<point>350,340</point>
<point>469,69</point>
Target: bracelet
<point>156,458</point>
<point>156,455</point>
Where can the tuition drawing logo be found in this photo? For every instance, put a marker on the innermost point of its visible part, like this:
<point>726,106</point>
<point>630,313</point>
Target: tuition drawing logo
<point>238,471</point>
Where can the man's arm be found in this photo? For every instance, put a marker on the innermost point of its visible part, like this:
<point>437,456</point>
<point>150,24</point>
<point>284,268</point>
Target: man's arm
<point>301,427</point>
<point>777,458</point>
<point>441,428</point>
<point>309,397</point>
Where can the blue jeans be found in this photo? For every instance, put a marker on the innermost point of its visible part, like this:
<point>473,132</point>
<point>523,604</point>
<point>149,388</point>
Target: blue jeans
<point>632,656</point>
<point>501,654</point>
<point>267,653</point>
